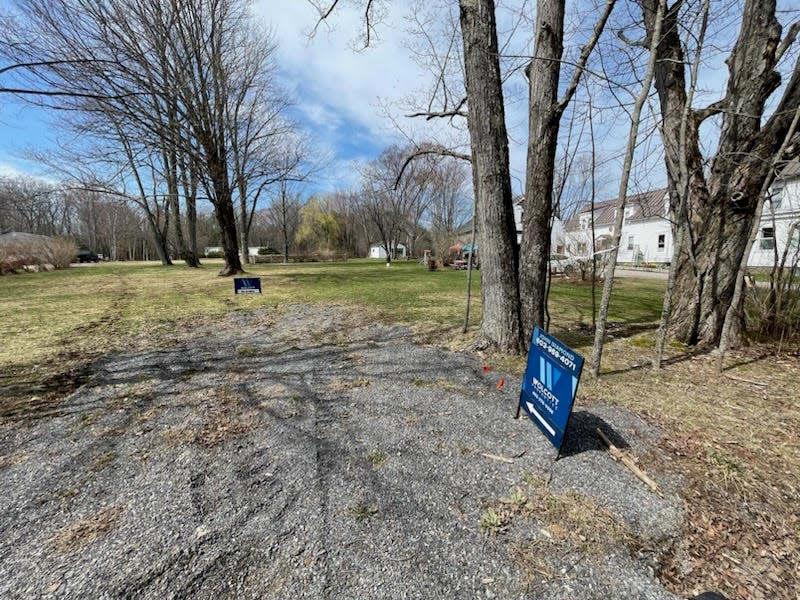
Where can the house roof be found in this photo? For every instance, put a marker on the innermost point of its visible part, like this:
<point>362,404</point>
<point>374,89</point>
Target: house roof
<point>646,205</point>
<point>465,229</point>
<point>791,170</point>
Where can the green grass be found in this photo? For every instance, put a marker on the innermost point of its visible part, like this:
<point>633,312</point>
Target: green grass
<point>98,309</point>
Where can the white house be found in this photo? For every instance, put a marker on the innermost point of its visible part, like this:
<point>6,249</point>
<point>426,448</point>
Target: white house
<point>378,251</point>
<point>557,234</point>
<point>779,229</point>
<point>646,230</point>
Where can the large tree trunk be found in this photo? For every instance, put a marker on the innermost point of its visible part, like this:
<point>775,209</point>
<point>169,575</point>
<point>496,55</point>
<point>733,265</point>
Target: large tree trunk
<point>499,255</point>
<point>188,178</point>
<point>223,210</point>
<point>543,125</point>
<point>722,203</point>
<point>544,117</point>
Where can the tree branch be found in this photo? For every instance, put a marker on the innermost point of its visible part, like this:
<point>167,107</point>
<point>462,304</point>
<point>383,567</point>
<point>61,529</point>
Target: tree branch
<point>633,43</point>
<point>427,151</point>
<point>584,57</point>
<point>702,114</point>
<point>441,114</point>
<point>791,35</point>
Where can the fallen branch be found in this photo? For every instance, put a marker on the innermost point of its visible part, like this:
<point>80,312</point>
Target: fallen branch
<point>500,458</point>
<point>743,380</point>
<point>619,456</point>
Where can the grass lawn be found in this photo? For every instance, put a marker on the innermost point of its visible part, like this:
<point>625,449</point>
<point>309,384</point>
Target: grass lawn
<point>731,436</point>
<point>96,309</point>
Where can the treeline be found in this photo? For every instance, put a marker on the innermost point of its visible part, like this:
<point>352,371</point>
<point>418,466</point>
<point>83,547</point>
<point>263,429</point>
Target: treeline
<point>421,209</point>
<point>173,106</point>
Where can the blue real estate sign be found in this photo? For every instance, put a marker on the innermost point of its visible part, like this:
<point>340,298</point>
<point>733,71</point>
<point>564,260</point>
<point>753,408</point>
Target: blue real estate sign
<point>549,385</point>
<point>247,285</point>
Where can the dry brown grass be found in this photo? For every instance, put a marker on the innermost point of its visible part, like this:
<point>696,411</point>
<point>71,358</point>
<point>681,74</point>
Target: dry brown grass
<point>564,524</point>
<point>732,436</point>
<point>84,532</point>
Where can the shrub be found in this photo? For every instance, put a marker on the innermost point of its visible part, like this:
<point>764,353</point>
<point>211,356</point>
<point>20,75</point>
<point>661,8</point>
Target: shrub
<point>215,254</point>
<point>266,251</point>
<point>11,264</point>
<point>61,252</point>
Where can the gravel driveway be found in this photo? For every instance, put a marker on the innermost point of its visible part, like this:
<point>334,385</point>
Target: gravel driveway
<point>311,455</point>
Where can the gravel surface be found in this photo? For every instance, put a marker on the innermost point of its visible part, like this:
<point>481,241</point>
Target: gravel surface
<point>307,454</point>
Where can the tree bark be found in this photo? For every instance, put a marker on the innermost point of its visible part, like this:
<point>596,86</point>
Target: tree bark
<point>499,255</point>
<point>544,117</point>
<point>543,125</point>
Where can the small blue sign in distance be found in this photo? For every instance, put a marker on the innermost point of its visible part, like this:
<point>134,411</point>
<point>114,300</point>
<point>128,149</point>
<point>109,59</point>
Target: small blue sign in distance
<point>247,285</point>
<point>549,385</point>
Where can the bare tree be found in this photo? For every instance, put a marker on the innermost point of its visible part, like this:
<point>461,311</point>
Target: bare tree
<point>450,202</point>
<point>608,284</point>
<point>500,324</point>
<point>388,202</point>
<point>171,71</point>
<point>683,183</point>
<point>284,214</point>
<point>485,111</point>
<point>545,111</point>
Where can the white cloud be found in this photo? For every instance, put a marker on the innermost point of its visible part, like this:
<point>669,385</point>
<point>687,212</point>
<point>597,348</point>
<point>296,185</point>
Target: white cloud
<point>342,93</point>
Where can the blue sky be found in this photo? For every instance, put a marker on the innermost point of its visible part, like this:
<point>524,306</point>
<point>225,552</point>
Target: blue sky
<point>336,92</point>
<point>351,102</point>
<point>340,94</point>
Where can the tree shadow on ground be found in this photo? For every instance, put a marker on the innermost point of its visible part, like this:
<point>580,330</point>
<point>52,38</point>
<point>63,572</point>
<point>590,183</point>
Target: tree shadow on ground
<point>582,436</point>
<point>647,364</point>
<point>582,334</point>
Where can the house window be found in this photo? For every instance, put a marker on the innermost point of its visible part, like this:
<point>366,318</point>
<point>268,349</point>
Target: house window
<point>581,248</point>
<point>767,238</point>
<point>776,199</point>
<point>630,242</point>
<point>662,241</point>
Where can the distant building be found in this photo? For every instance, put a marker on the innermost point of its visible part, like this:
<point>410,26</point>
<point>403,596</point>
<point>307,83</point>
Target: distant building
<point>557,234</point>
<point>646,229</point>
<point>779,229</point>
<point>378,251</point>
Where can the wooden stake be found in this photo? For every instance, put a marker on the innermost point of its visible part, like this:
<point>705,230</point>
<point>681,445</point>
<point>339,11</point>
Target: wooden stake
<point>619,456</point>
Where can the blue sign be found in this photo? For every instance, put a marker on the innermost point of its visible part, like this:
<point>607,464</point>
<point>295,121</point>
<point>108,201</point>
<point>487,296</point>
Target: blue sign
<point>247,285</point>
<point>549,385</point>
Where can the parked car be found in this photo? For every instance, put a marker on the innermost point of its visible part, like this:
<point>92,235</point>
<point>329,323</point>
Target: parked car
<point>85,255</point>
<point>561,264</point>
